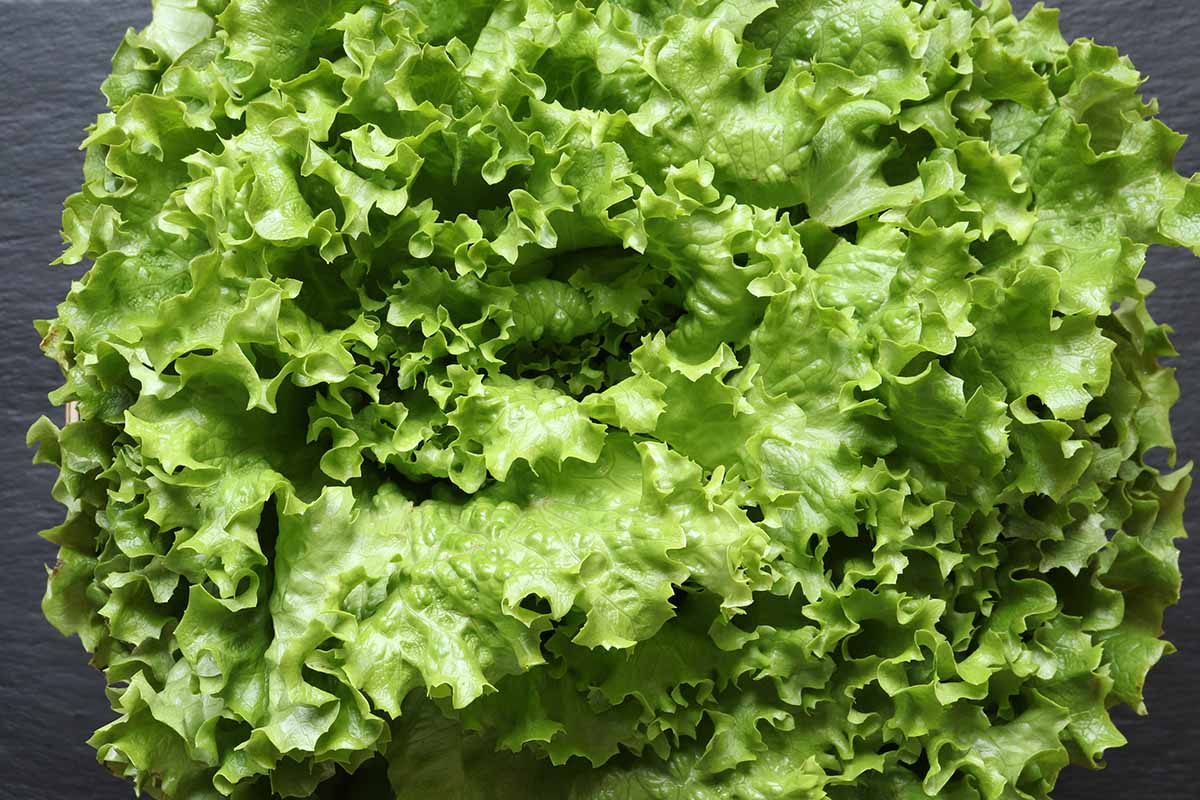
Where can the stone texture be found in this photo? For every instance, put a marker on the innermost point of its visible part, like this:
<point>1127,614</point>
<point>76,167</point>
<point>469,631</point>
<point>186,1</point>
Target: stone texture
<point>54,55</point>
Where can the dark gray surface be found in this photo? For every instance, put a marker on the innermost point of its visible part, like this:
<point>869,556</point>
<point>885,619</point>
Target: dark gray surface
<point>54,55</point>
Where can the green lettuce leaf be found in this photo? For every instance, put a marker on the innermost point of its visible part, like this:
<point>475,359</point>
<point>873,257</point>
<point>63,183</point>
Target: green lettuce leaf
<point>721,399</point>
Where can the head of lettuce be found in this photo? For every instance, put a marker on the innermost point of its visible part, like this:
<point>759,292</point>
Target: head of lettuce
<point>714,399</point>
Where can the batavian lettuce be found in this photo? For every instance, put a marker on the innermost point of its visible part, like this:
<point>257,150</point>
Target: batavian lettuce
<point>611,400</point>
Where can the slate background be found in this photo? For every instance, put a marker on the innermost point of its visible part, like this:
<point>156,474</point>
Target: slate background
<point>53,56</point>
